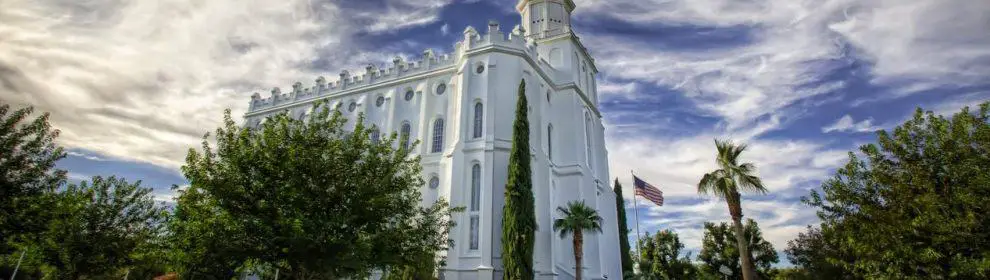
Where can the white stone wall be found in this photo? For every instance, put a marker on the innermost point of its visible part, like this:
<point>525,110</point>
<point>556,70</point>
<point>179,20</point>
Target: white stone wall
<point>557,66</point>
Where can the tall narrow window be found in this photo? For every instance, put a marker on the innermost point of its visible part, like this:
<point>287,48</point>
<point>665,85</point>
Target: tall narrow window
<point>474,234</point>
<point>404,135</point>
<point>549,142</point>
<point>587,138</point>
<point>475,187</point>
<point>437,136</point>
<point>479,114</point>
<point>375,135</point>
<point>475,206</point>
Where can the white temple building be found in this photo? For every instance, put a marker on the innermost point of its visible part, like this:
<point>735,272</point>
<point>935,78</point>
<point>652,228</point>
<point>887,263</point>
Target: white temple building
<point>461,107</point>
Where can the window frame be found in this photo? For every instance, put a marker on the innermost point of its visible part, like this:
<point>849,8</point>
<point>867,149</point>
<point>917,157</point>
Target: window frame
<point>438,132</point>
<point>405,133</point>
<point>479,121</point>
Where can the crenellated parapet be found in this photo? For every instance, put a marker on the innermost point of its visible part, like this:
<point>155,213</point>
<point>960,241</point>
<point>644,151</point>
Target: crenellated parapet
<point>515,42</point>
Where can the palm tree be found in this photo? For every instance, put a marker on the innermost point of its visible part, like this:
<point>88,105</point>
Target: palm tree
<point>578,218</point>
<point>726,182</point>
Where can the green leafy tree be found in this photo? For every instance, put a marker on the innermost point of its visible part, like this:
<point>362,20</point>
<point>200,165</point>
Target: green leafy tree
<point>915,205</point>
<point>101,229</point>
<point>205,241</point>
<point>726,182</point>
<point>718,250</point>
<point>518,215</point>
<point>27,159</point>
<point>313,199</point>
<point>620,207</point>
<point>577,218</point>
<point>661,257</point>
<point>810,251</point>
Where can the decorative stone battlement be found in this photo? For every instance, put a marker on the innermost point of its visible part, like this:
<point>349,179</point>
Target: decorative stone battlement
<point>430,61</point>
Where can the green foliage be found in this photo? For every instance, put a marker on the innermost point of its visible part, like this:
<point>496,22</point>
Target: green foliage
<point>518,215</point>
<point>915,205</point>
<point>620,207</point>
<point>101,229</point>
<point>810,251</point>
<point>27,159</point>
<point>718,250</point>
<point>660,257</point>
<point>577,218</point>
<point>312,198</point>
<point>794,273</point>
<point>726,182</point>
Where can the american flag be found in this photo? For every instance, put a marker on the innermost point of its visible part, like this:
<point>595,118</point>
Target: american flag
<point>648,191</point>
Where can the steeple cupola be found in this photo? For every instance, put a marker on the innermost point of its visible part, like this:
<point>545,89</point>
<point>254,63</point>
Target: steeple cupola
<point>546,18</point>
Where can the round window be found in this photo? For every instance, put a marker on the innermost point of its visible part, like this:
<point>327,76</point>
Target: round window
<point>441,89</point>
<point>350,108</point>
<point>434,183</point>
<point>409,95</point>
<point>481,68</point>
<point>379,101</point>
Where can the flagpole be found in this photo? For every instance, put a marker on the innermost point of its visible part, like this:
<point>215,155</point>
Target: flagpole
<point>636,212</point>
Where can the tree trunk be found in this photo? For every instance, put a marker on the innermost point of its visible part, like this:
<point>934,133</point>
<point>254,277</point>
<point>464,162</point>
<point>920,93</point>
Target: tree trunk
<point>735,209</point>
<point>578,253</point>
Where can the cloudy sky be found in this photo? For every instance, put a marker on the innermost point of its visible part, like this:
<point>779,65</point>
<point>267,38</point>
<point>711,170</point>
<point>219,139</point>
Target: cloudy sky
<point>134,84</point>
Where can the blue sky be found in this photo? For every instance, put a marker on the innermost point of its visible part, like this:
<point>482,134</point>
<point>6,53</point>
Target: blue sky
<point>133,85</point>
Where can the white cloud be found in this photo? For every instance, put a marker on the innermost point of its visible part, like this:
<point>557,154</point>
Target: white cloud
<point>144,80</point>
<point>950,107</point>
<point>445,29</point>
<point>934,42</point>
<point>400,14</point>
<point>846,123</point>
<point>792,47</point>
<point>89,157</point>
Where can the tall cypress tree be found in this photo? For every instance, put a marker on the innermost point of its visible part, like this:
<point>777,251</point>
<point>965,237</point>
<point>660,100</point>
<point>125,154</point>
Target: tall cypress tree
<point>620,207</point>
<point>518,215</point>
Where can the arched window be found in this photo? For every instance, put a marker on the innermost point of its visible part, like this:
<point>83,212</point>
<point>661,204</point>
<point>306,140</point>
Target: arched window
<point>475,206</point>
<point>479,115</point>
<point>404,135</point>
<point>549,142</point>
<point>375,135</point>
<point>587,138</point>
<point>437,136</point>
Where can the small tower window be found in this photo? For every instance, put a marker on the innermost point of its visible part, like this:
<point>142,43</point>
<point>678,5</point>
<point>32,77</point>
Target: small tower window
<point>379,101</point>
<point>437,136</point>
<point>478,119</point>
<point>409,95</point>
<point>480,69</point>
<point>441,89</point>
<point>434,182</point>
<point>350,108</point>
<point>404,135</point>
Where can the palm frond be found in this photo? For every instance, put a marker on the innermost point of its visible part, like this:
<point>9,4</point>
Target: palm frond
<point>751,183</point>
<point>577,217</point>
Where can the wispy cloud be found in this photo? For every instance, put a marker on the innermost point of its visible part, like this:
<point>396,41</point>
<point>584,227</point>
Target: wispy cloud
<point>846,123</point>
<point>445,29</point>
<point>792,48</point>
<point>144,80</point>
